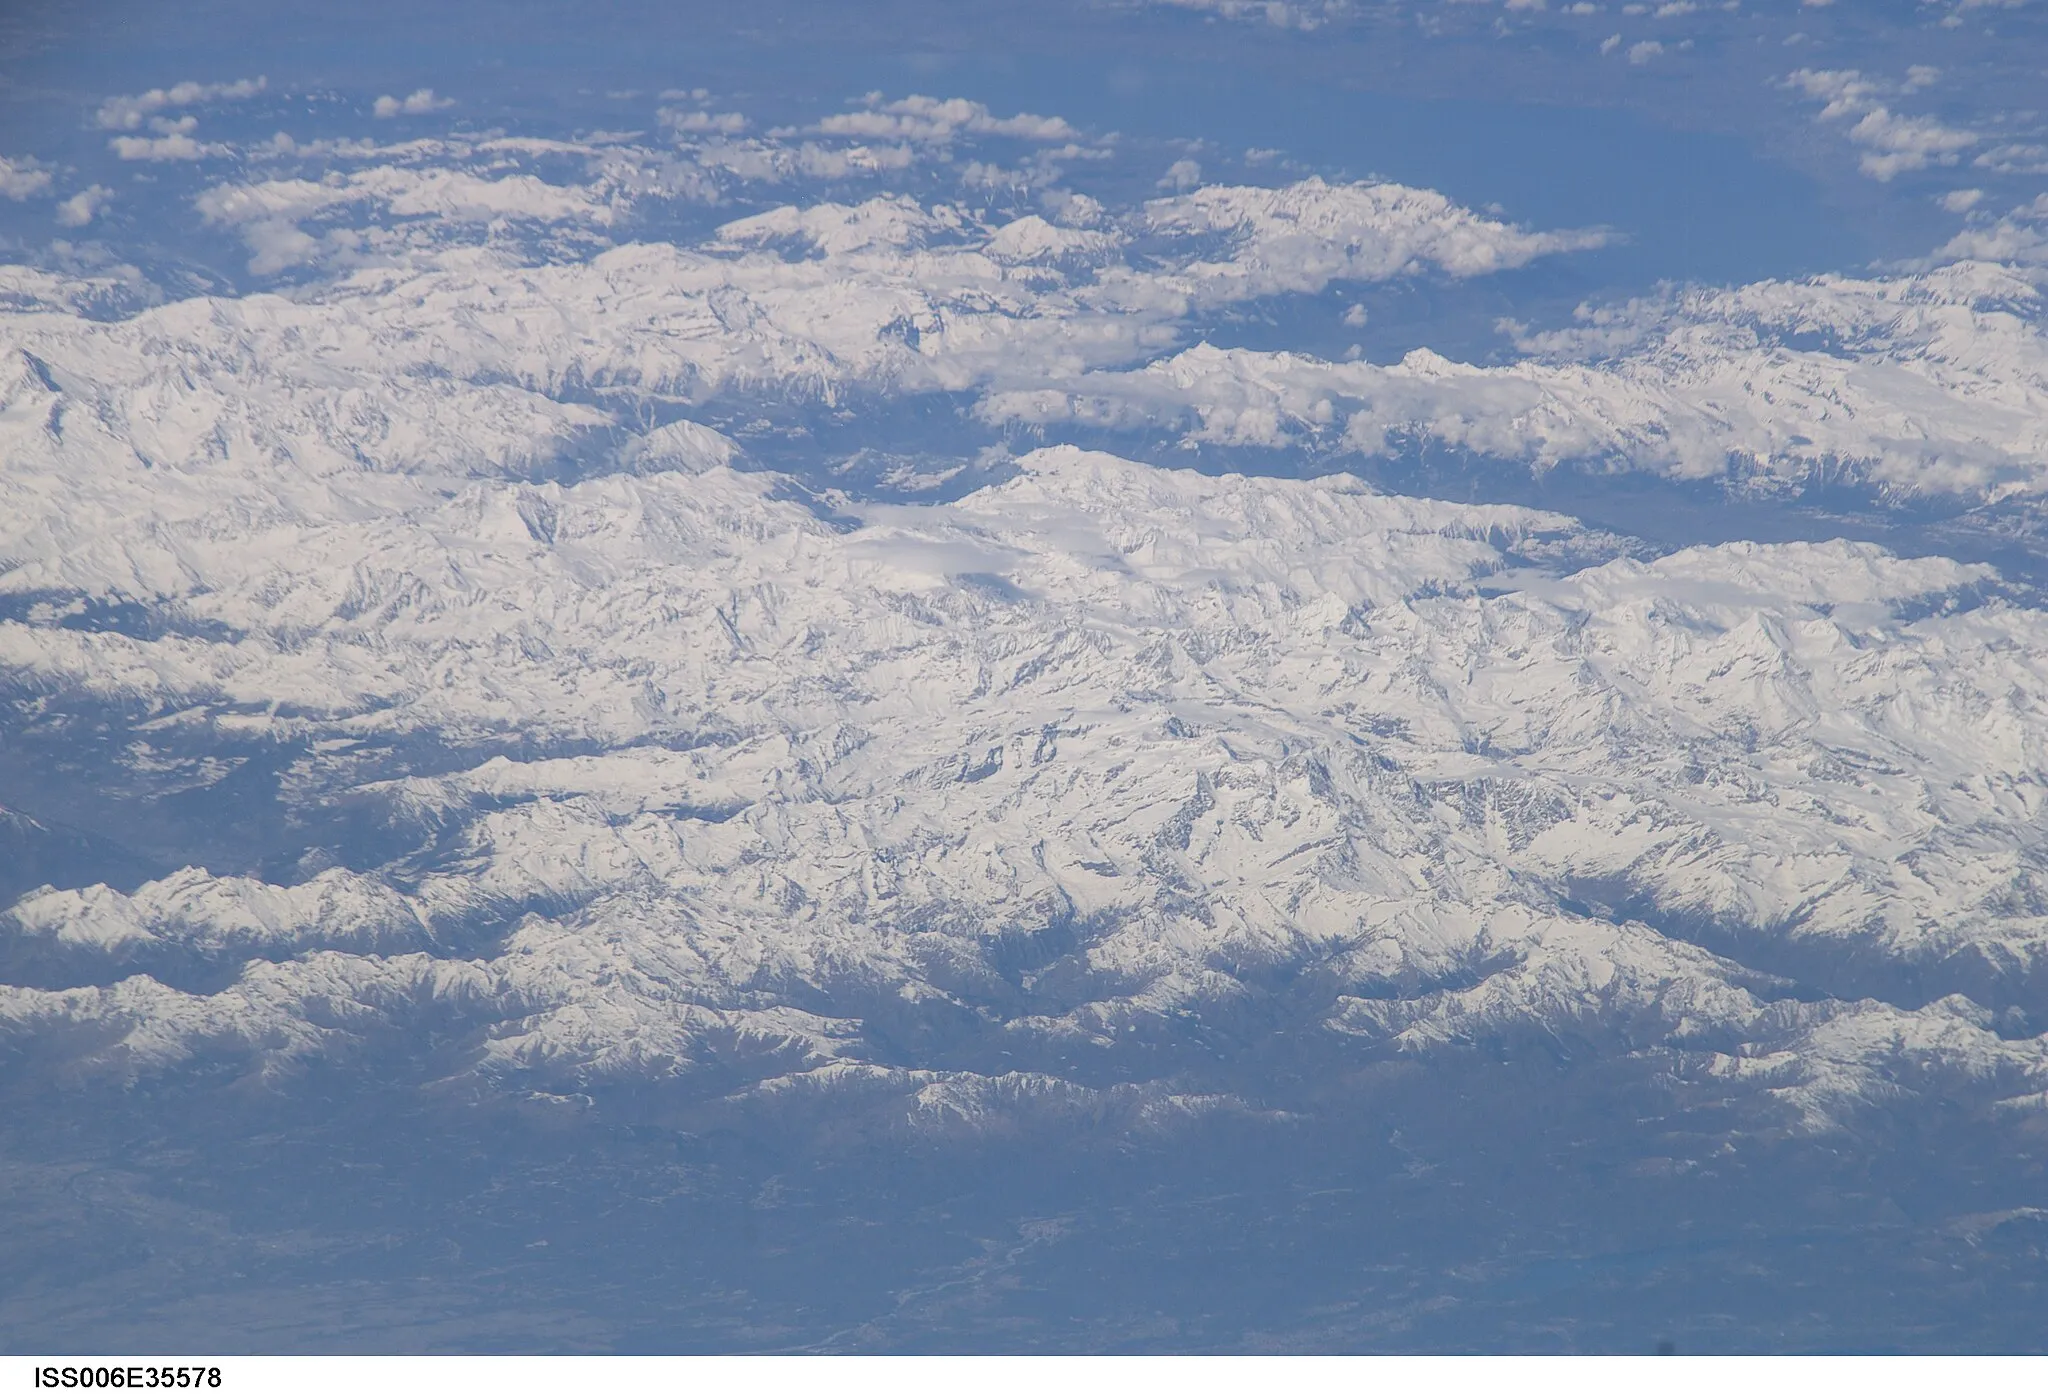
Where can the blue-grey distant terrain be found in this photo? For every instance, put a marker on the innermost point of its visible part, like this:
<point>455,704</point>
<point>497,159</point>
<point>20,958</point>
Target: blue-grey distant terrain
<point>1098,675</point>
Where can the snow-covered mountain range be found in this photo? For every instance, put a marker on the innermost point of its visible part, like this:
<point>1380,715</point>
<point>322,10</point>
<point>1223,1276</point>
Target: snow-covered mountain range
<point>597,747</point>
<point>664,708</point>
<point>736,785</point>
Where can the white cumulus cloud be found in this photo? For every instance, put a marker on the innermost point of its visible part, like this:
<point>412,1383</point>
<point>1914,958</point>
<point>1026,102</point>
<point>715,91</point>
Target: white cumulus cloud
<point>83,206</point>
<point>723,123</point>
<point>1281,14</point>
<point>2019,237</point>
<point>418,103</point>
<point>128,113</point>
<point>933,120</point>
<point>1893,143</point>
<point>178,145</point>
<point>22,178</point>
